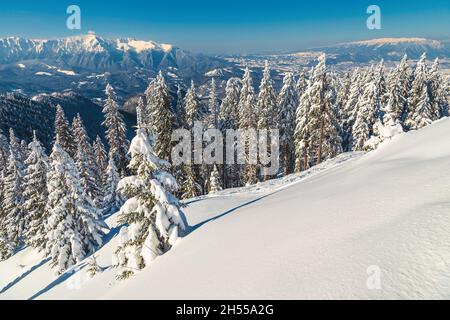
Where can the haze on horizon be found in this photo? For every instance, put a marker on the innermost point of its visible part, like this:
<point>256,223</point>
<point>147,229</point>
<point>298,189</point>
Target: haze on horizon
<point>232,26</point>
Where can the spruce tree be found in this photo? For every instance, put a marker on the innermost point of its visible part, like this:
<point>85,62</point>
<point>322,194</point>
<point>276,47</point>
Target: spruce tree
<point>14,220</point>
<point>63,134</point>
<point>214,181</point>
<point>350,110</point>
<point>368,116</point>
<point>287,104</point>
<point>152,212</point>
<point>162,119</point>
<point>192,106</point>
<point>229,120</point>
<point>36,195</point>
<point>267,102</point>
<point>112,200</point>
<point>86,163</point>
<point>101,157</point>
<point>317,131</point>
<point>116,133</point>
<point>248,120</point>
<point>73,228</point>
<point>438,90</point>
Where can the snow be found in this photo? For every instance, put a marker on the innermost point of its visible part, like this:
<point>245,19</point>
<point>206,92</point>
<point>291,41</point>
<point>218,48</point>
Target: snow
<point>67,72</point>
<point>21,65</point>
<point>311,235</point>
<point>42,73</point>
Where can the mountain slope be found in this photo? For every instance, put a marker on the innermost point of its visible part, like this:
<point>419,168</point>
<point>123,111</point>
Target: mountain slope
<point>312,235</point>
<point>389,49</point>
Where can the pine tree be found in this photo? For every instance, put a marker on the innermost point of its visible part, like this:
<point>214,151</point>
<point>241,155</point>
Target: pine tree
<point>93,267</point>
<point>438,90</point>
<point>380,82</point>
<point>229,119</point>
<point>112,200</point>
<point>63,134</point>
<point>86,163</point>
<point>214,181</point>
<point>101,157</point>
<point>35,194</point>
<point>287,102</point>
<point>350,109</point>
<point>152,212</point>
<point>189,187</point>
<point>179,109</point>
<point>317,130</point>
<point>73,228</point>
<point>162,119</point>
<point>192,107</point>
<point>213,107</point>
<point>421,110</point>
<point>116,133</point>
<point>267,102</point>
<point>367,117</point>
<point>14,219</point>
<point>247,121</point>
<point>301,85</point>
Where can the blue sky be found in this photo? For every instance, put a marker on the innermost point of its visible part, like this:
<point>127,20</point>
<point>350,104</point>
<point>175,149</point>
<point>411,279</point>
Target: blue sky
<point>219,26</point>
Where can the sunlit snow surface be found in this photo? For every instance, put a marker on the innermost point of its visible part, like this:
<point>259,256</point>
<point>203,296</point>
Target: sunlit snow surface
<point>310,235</point>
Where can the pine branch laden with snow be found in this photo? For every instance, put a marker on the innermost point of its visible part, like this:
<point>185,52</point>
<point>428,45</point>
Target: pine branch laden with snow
<point>115,131</point>
<point>151,212</point>
<point>73,227</point>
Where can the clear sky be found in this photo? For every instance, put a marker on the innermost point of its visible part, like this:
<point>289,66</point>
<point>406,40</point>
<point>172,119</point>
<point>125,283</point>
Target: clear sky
<point>229,26</point>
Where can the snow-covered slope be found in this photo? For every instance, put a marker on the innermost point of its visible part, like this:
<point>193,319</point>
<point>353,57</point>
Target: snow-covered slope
<point>310,235</point>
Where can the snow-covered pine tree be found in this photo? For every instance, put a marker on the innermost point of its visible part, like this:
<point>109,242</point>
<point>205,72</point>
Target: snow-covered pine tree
<point>190,188</point>
<point>162,119</point>
<point>73,227</point>
<point>229,119</point>
<point>63,134</point>
<point>14,220</point>
<point>192,107</point>
<point>438,90</point>
<point>302,84</point>
<point>179,109</point>
<point>380,82</point>
<point>319,134</point>
<point>36,195</point>
<point>112,200</point>
<point>101,157</point>
<point>116,133</point>
<point>151,212</point>
<point>421,110</point>
<point>213,106</point>
<point>287,108</point>
<point>4,151</point>
<point>93,267</point>
<point>85,161</point>
<point>214,181</point>
<point>248,120</point>
<point>402,74</point>
<point>369,106</point>
<point>350,109</point>
<point>267,102</point>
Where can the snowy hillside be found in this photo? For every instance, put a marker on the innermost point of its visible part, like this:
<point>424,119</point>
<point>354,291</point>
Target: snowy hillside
<point>309,235</point>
